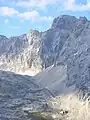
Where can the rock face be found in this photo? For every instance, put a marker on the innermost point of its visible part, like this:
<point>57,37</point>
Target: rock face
<point>65,43</point>
<point>20,54</point>
<point>68,47</point>
<point>18,94</point>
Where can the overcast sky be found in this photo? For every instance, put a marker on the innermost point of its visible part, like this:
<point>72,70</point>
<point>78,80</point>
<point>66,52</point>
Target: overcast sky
<point>18,16</point>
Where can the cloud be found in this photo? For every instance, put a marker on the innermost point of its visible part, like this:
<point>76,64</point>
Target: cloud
<point>27,15</point>
<point>34,16</point>
<point>71,5</point>
<point>36,3</point>
<point>40,4</point>
<point>46,18</point>
<point>67,4</point>
<point>6,11</point>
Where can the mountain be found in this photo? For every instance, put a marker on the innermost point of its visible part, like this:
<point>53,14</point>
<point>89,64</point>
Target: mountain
<point>59,59</point>
<point>68,50</point>
<point>65,43</point>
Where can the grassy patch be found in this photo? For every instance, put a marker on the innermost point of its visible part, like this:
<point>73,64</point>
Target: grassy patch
<point>40,116</point>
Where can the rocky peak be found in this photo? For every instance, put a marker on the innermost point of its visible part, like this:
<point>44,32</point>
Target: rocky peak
<point>83,20</point>
<point>3,37</point>
<point>69,23</point>
<point>64,22</point>
<point>32,36</point>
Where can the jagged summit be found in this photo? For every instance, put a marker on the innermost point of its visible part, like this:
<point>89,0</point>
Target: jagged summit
<point>69,22</point>
<point>63,21</point>
<point>84,19</point>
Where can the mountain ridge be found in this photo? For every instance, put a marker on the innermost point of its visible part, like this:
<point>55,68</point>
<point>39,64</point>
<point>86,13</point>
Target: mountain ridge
<point>65,43</point>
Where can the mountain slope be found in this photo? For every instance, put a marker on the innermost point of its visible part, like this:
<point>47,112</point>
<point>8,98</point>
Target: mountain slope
<point>54,79</point>
<point>19,93</point>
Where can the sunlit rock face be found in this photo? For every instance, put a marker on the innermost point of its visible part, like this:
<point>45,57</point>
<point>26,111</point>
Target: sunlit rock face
<point>66,42</point>
<point>21,54</point>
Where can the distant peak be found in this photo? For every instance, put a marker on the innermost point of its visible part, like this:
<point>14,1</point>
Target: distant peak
<point>32,32</point>
<point>2,36</point>
<point>83,19</point>
<point>63,21</point>
<point>67,21</point>
<point>67,16</point>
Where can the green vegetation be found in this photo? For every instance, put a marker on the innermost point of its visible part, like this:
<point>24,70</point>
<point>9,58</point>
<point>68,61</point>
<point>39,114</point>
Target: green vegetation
<point>40,116</point>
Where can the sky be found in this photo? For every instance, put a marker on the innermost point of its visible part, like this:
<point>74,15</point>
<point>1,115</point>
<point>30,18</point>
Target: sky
<point>19,16</point>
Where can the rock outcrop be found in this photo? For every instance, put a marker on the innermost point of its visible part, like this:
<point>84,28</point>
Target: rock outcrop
<point>20,93</point>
